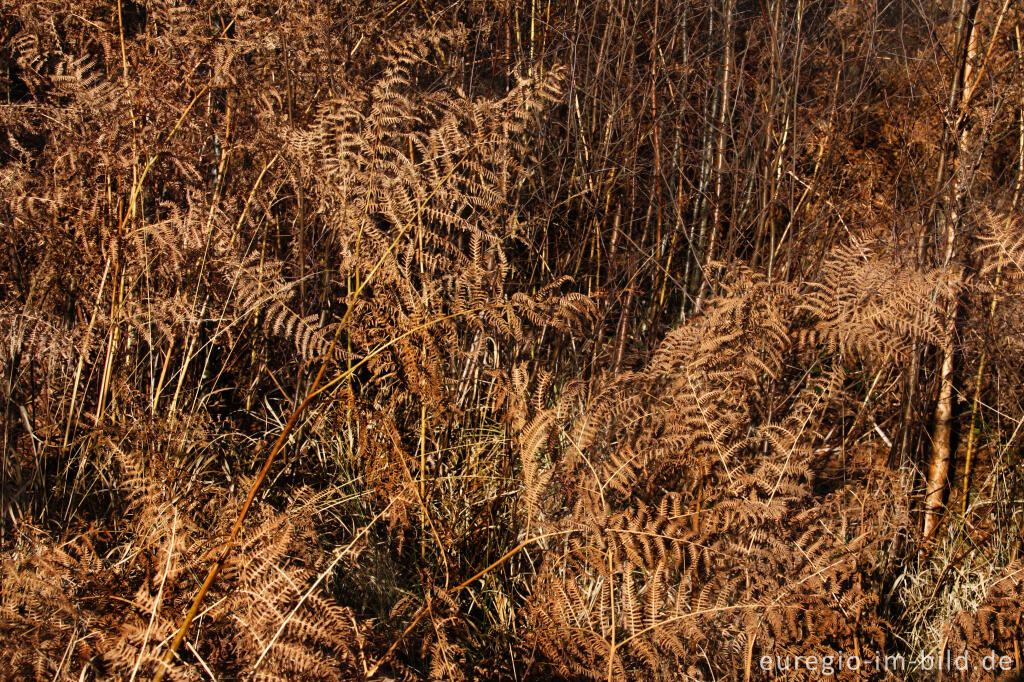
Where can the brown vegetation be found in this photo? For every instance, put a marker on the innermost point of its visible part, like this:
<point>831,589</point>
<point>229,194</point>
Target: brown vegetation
<point>487,340</point>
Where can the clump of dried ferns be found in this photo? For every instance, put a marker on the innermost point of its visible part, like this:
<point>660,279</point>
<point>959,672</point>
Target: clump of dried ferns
<point>105,601</point>
<point>708,515</point>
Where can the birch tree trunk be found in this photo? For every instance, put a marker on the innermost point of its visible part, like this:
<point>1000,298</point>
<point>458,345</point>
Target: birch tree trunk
<point>942,434</point>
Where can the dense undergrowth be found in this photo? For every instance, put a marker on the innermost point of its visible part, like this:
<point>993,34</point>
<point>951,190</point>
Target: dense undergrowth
<point>553,340</point>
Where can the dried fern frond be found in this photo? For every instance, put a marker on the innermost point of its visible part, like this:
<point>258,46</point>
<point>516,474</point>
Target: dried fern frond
<point>697,537</point>
<point>869,303</point>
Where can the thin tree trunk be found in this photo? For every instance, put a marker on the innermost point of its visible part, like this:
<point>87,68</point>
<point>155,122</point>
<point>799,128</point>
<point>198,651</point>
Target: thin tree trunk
<point>942,435</point>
